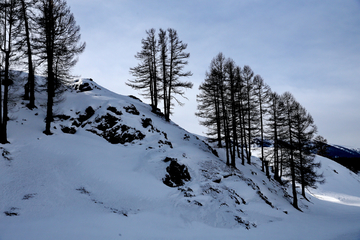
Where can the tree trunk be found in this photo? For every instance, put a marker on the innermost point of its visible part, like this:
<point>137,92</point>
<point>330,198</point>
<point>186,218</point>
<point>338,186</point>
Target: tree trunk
<point>292,166</point>
<point>262,134</point>
<point>30,86</point>
<point>50,61</point>
<point>5,83</point>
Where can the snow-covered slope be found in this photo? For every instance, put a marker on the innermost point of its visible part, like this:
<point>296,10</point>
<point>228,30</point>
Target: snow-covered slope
<point>101,176</point>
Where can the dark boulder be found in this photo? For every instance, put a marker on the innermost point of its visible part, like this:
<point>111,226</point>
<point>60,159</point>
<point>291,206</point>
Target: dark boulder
<point>177,175</point>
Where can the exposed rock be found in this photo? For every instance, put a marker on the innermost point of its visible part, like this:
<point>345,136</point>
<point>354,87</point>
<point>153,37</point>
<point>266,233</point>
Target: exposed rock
<point>129,135</point>
<point>62,117</point>
<point>132,110</point>
<point>12,212</point>
<point>133,97</point>
<point>177,175</point>
<point>84,85</point>
<point>106,122</point>
<point>161,142</point>
<point>89,112</point>
<point>146,122</point>
<point>69,130</point>
<point>114,110</point>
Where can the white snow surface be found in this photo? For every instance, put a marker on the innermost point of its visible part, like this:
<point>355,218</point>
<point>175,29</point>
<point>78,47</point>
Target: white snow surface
<point>80,186</point>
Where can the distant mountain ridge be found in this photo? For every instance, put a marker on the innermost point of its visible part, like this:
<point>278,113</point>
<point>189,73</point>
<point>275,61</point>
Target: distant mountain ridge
<point>345,156</point>
<point>337,151</point>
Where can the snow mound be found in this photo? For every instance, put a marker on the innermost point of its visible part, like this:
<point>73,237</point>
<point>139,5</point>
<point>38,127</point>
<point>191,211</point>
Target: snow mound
<point>113,167</point>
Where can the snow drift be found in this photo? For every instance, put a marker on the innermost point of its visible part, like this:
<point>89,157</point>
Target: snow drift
<point>115,170</point>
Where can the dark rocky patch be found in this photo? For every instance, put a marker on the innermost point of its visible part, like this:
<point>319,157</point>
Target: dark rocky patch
<point>68,130</point>
<point>133,97</point>
<point>158,112</point>
<point>212,190</point>
<point>217,180</point>
<point>213,151</point>
<point>167,159</point>
<point>6,154</point>
<point>84,86</point>
<point>161,142</point>
<point>245,223</point>
<point>110,128</point>
<point>177,175</point>
<point>197,203</point>
<point>28,196</point>
<point>61,117</point>
<point>82,190</point>
<point>89,112</point>
<point>115,136</point>
<point>186,137</point>
<point>114,110</point>
<point>266,200</point>
<point>76,123</point>
<point>12,212</point>
<point>120,134</point>
<point>132,110</point>
<point>106,122</point>
<point>146,122</point>
<point>188,192</point>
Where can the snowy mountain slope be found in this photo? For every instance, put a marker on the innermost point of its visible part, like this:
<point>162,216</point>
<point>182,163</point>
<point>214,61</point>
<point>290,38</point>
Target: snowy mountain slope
<point>100,176</point>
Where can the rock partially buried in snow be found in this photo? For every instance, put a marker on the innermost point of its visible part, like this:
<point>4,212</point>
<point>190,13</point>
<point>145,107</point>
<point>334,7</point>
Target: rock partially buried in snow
<point>83,85</point>
<point>177,175</point>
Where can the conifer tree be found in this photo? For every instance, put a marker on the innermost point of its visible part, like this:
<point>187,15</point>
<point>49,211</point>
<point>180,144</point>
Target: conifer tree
<point>241,112</point>
<point>251,116</point>
<point>177,61</point>
<point>171,62</point>
<point>26,15</point>
<point>304,131</point>
<point>209,107</point>
<point>9,19</point>
<point>57,45</point>
<point>146,71</point>
<point>230,77</point>
<point>289,107</point>
<point>261,92</point>
<point>275,122</point>
<point>164,66</point>
<point>213,99</point>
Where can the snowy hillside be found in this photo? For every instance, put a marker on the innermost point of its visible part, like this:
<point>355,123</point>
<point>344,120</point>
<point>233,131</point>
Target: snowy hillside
<point>115,170</point>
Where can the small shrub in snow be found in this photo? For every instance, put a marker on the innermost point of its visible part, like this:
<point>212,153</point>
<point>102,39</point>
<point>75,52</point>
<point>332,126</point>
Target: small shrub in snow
<point>82,190</point>
<point>186,137</point>
<point>6,154</point>
<point>12,212</point>
<point>28,196</point>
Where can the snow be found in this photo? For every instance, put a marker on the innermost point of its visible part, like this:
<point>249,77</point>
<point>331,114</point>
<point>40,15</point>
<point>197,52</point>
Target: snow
<point>79,186</point>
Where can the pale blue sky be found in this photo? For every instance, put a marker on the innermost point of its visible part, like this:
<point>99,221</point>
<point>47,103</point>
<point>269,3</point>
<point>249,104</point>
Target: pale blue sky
<point>310,48</point>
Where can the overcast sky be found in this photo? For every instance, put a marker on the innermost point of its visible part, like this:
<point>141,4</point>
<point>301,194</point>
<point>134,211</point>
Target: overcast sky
<point>310,48</point>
